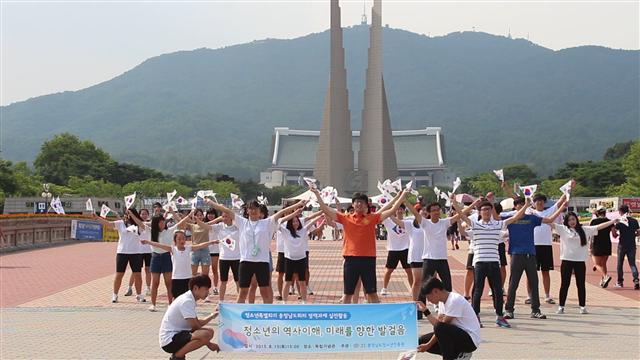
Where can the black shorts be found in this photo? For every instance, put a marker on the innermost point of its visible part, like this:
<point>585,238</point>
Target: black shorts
<point>280,263</point>
<point>503,254</point>
<point>393,257</point>
<point>225,265</point>
<point>214,254</point>
<point>470,261</point>
<point>178,341</point>
<point>249,268</point>
<point>601,248</point>
<point>544,257</point>
<point>307,252</point>
<point>146,260</point>
<point>298,267</point>
<point>179,287</point>
<point>416,265</point>
<point>359,267</point>
<point>134,261</point>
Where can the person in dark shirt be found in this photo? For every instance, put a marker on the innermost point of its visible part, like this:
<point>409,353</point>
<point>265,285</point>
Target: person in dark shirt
<point>601,246</point>
<point>627,230</point>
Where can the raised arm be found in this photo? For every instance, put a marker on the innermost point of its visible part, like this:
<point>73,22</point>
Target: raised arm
<point>104,221</point>
<point>203,224</point>
<point>292,215</point>
<point>519,214</point>
<point>182,223</point>
<point>204,245</point>
<point>295,207</point>
<point>313,215</point>
<point>551,218</point>
<point>416,213</point>
<point>221,208</point>
<point>397,200</point>
<point>507,189</point>
<point>156,244</point>
<point>327,210</point>
<point>607,224</point>
<point>215,221</point>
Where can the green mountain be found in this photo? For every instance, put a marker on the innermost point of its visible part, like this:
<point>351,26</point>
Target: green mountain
<point>498,100</point>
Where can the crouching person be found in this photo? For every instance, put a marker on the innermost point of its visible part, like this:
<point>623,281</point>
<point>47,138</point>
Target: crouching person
<point>456,330</point>
<point>181,331</point>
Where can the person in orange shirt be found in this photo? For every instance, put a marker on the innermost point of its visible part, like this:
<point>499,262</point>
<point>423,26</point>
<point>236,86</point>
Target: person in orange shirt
<point>359,245</point>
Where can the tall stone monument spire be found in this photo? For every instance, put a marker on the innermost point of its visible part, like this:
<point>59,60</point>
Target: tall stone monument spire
<point>334,159</point>
<point>377,156</point>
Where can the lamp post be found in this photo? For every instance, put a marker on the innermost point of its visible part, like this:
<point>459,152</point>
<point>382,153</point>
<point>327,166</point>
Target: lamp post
<point>46,195</point>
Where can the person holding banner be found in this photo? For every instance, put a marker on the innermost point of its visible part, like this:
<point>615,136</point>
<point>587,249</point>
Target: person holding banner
<point>359,245</point>
<point>127,253</point>
<point>255,233</point>
<point>181,332</point>
<point>456,330</point>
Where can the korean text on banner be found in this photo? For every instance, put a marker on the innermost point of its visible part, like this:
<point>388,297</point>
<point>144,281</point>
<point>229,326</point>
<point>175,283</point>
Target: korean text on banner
<point>317,328</point>
<point>86,230</point>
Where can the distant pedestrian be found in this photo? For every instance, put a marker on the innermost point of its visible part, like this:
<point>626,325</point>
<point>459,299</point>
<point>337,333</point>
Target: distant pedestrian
<point>627,230</point>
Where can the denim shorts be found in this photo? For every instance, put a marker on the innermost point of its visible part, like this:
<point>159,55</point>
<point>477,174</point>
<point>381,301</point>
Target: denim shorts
<point>161,263</point>
<point>201,257</point>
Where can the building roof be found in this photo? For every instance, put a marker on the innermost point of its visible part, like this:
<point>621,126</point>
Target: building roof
<point>415,149</point>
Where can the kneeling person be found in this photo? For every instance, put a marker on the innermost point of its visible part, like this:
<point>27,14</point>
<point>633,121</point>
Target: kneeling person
<point>456,330</point>
<point>181,331</point>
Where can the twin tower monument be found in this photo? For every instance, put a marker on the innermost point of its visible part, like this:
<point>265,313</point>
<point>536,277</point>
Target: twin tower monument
<point>376,157</point>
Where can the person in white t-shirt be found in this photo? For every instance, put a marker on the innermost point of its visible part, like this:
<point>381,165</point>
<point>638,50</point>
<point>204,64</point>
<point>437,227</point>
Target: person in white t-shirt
<point>255,234</point>
<point>181,332</point>
<point>181,259</point>
<point>398,230</point>
<point>574,253</point>
<point>223,229</point>
<point>295,237</point>
<point>456,330</point>
<point>145,252</point>
<point>128,252</point>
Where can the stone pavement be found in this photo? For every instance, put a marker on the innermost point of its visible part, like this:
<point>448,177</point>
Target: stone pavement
<point>56,304</point>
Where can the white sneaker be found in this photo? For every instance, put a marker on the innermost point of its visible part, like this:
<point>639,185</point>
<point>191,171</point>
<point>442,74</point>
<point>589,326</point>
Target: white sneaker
<point>464,356</point>
<point>152,308</point>
<point>560,310</point>
<point>114,298</point>
<point>490,292</point>
<point>583,310</point>
<point>215,291</point>
<point>140,298</point>
<point>384,292</point>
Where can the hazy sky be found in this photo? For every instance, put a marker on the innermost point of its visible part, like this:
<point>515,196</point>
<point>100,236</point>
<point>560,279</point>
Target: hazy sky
<point>52,46</point>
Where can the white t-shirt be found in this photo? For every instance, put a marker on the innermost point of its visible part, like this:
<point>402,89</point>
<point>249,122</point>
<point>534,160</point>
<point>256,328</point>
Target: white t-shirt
<point>175,319</point>
<point>222,231</point>
<point>465,318</point>
<point>570,248</point>
<point>416,243</point>
<point>279,241</point>
<point>165,237</point>
<point>181,263</point>
<point>146,235</point>
<point>435,238</point>
<point>542,234</point>
<point>213,248</point>
<point>397,237</point>
<point>128,238</point>
<point>486,237</point>
<point>255,238</point>
<point>295,248</point>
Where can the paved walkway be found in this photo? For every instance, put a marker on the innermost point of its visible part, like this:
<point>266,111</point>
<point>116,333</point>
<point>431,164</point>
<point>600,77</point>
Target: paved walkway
<point>55,303</point>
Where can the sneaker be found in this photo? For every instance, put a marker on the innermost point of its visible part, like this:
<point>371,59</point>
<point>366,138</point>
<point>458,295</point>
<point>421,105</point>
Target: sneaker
<point>140,298</point>
<point>384,292</point>
<point>458,247</point>
<point>528,301</point>
<point>560,310</point>
<point>490,292</point>
<point>605,281</point>
<point>292,291</point>
<point>147,291</point>
<point>618,285</point>
<point>174,357</point>
<point>309,290</point>
<point>538,315</point>
<point>583,310</point>
<point>636,286</point>
<point>508,314</point>
<point>129,292</point>
<point>464,356</point>
<point>549,300</point>
<point>502,322</point>
<point>152,308</point>
<point>279,297</point>
<point>215,291</point>
<point>114,298</point>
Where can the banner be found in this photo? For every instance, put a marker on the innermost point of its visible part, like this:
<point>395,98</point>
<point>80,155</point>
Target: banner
<point>317,328</point>
<point>109,233</point>
<point>86,230</point>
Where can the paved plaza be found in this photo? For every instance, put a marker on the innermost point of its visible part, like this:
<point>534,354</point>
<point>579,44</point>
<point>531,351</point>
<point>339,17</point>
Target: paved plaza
<point>55,304</point>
